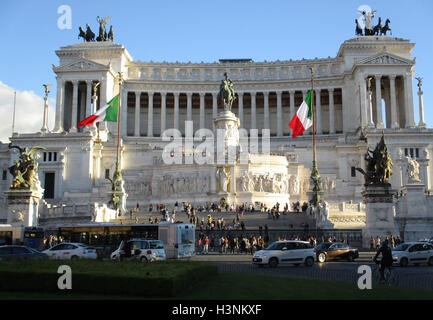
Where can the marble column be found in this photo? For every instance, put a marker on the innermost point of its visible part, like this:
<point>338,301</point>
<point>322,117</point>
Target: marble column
<point>241,108</point>
<point>74,106</point>
<point>189,106</point>
<point>150,115</point>
<point>331,111</point>
<point>253,110</point>
<point>394,123</point>
<point>421,109</point>
<point>410,116</point>
<point>58,127</point>
<point>292,105</point>
<point>279,115</point>
<point>370,103</point>
<point>363,96</point>
<point>379,116</point>
<point>266,110</point>
<point>124,112</point>
<point>319,129</point>
<point>163,111</point>
<point>176,111</point>
<point>202,111</point>
<point>88,98</point>
<point>137,114</point>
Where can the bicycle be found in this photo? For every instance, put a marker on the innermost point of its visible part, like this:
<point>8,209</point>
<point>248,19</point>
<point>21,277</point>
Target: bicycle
<point>390,278</point>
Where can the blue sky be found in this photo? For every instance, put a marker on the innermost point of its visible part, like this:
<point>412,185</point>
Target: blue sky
<point>196,31</point>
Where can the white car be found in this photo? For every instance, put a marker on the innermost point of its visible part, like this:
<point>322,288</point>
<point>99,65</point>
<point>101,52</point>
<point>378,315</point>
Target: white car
<point>71,251</point>
<point>142,249</point>
<point>413,253</point>
<point>286,252</point>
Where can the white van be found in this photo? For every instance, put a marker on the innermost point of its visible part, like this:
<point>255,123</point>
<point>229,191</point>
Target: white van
<point>141,249</point>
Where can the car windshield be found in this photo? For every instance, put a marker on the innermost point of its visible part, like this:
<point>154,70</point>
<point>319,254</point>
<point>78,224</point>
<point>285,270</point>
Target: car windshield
<point>156,245</point>
<point>401,247</point>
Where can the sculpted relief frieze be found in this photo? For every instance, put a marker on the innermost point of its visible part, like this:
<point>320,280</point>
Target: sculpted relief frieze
<point>277,183</point>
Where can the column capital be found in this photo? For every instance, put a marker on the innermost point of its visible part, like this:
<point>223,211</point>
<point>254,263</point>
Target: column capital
<point>279,92</point>
<point>392,77</point>
<point>176,94</point>
<point>163,94</point>
<point>137,93</point>
<point>202,94</point>
<point>74,82</point>
<point>266,93</point>
<point>189,94</point>
<point>253,93</point>
<point>89,82</point>
<point>240,93</point>
<point>378,77</point>
<point>150,93</point>
<point>331,90</point>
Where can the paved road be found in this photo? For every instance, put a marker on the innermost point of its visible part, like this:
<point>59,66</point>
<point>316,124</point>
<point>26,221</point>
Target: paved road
<point>420,277</point>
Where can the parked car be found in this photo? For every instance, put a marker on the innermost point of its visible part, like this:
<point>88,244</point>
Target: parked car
<point>72,251</point>
<point>19,252</point>
<point>286,252</point>
<point>335,250</point>
<point>141,249</point>
<point>413,253</point>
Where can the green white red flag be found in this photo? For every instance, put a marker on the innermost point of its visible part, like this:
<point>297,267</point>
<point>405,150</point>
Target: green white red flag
<point>106,113</point>
<point>303,119</point>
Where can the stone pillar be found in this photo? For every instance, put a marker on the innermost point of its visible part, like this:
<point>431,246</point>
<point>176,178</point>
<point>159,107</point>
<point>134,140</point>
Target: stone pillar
<point>88,98</point>
<point>394,123</point>
<point>124,112</point>
<point>363,95</point>
<point>410,122</point>
<point>421,109</point>
<point>379,121</point>
<point>370,104</point>
<point>379,212</point>
<point>22,206</point>
<point>279,115</point>
<point>58,127</point>
<point>202,111</point>
<point>74,106</point>
<point>241,108</point>
<point>150,115</point>
<point>318,112</point>
<point>266,110</point>
<point>292,105</point>
<point>331,111</point>
<point>253,110</point>
<point>189,106</point>
<point>163,111</point>
<point>97,157</point>
<point>176,111</point>
<point>137,114</point>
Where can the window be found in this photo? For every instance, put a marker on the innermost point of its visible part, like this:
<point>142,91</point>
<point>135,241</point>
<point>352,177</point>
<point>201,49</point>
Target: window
<point>353,171</point>
<point>50,156</point>
<point>411,152</point>
<point>19,250</point>
<point>107,173</point>
<point>5,175</point>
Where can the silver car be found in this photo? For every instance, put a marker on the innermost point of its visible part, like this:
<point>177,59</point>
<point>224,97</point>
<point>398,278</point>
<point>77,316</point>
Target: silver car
<point>413,253</point>
<point>286,252</point>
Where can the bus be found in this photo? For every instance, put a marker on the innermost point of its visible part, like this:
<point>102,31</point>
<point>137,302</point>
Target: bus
<point>32,237</point>
<point>178,238</point>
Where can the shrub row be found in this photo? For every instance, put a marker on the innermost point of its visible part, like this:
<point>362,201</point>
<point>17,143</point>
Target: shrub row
<point>136,281</point>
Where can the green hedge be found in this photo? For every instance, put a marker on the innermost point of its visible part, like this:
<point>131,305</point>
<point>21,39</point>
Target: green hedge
<point>156,279</point>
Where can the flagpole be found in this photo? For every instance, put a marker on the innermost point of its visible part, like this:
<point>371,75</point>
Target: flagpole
<point>13,120</point>
<point>315,175</point>
<point>118,121</point>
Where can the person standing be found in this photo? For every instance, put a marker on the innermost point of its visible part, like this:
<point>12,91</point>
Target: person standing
<point>206,245</point>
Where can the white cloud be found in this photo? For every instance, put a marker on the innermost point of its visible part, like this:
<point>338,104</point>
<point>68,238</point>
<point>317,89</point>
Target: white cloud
<point>28,113</point>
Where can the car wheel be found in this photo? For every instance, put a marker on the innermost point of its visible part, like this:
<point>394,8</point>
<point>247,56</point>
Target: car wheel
<point>322,257</point>
<point>74,258</point>
<point>144,259</point>
<point>430,261</point>
<point>350,258</point>
<point>404,262</point>
<point>273,262</point>
<point>309,261</point>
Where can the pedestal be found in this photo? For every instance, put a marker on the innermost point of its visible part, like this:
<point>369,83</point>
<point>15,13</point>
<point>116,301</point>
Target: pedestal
<point>23,207</point>
<point>379,212</point>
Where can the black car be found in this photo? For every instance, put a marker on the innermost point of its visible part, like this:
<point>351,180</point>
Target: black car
<point>335,250</point>
<point>19,252</point>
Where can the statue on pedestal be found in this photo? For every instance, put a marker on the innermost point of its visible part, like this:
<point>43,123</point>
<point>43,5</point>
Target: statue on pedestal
<point>24,171</point>
<point>102,33</point>
<point>226,93</point>
<point>412,171</point>
<point>379,165</point>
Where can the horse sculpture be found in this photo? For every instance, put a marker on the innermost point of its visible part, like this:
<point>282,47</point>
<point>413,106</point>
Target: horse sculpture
<point>90,36</point>
<point>358,29</point>
<point>377,28</point>
<point>386,28</point>
<point>82,34</point>
<point>111,34</point>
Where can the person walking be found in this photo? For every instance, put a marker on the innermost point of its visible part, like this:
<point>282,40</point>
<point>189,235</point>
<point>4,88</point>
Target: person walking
<point>206,245</point>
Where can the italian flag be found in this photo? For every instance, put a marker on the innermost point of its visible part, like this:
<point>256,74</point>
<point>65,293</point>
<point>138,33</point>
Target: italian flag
<point>106,113</point>
<point>303,119</point>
